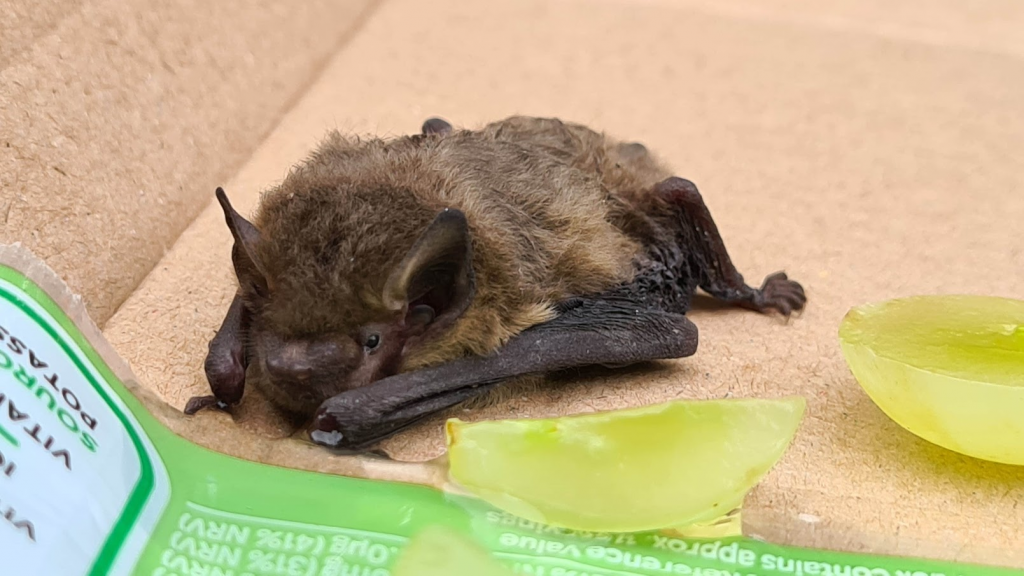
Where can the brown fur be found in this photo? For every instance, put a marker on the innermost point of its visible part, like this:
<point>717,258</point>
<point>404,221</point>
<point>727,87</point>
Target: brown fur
<point>546,202</point>
<point>407,262</point>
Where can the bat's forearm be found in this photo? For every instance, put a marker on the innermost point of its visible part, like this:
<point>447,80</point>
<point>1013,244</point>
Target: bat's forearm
<point>594,332</point>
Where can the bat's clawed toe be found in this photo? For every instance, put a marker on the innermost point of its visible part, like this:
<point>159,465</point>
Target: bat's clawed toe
<point>197,403</point>
<point>782,294</point>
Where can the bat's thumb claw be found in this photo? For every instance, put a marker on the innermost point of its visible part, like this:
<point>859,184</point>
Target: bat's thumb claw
<point>325,430</point>
<point>330,439</point>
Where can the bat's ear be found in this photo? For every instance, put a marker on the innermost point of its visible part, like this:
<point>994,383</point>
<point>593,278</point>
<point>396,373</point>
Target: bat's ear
<point>243,254</point>
<point>435,283</point>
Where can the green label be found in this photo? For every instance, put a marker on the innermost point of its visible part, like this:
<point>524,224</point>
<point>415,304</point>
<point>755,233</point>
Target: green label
<point>77,475</point>
<point>90,482</point>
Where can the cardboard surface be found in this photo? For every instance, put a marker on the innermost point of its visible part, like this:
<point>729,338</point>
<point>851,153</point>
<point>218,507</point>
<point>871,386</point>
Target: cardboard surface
<point>869,151</point>
<point>118,118</point>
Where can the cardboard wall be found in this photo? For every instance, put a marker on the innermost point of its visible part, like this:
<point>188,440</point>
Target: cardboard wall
<point>119,118</point>
<point>868,150</point>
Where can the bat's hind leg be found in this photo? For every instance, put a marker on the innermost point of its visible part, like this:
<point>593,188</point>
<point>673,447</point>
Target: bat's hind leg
<point>709,261</point>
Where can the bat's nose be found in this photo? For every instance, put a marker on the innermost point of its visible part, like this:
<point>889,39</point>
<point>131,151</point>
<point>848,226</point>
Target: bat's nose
<point>281,367</point>
<point>309,361</point>
<point>290,362</point>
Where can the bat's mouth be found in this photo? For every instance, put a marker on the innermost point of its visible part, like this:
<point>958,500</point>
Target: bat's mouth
<point>346,423</point>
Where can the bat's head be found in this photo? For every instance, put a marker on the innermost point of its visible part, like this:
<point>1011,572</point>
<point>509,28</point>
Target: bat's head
<point>341,288</point>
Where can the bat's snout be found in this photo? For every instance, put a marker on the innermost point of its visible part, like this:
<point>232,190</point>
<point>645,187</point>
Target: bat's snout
<point>289,365</point>
<point>298,360</point>
<point>301,373</point>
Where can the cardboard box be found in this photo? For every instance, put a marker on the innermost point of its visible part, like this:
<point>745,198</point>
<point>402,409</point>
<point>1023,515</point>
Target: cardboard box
<point>868,150</point>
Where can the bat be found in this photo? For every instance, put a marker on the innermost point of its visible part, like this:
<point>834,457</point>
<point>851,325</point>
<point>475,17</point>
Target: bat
<point>386,280</point>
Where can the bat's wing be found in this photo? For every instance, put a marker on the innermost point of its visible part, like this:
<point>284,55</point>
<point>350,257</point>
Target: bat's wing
<point>614,330</point>
<point>225,362</point>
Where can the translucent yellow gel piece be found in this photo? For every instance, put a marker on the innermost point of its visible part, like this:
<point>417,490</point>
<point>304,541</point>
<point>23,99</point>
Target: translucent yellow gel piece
<point>947,368</point>
<point>663,466</point>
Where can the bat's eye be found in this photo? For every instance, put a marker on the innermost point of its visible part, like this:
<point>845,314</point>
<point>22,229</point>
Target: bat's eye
<point>372,341</point>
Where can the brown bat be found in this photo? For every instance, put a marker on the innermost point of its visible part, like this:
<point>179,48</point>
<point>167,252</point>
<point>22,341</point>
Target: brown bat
<point>386,280</point>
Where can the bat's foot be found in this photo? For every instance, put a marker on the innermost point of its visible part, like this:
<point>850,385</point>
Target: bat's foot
<point>198,403</point>
<point>722,280</point>
<point>780,293</point>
